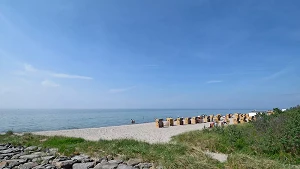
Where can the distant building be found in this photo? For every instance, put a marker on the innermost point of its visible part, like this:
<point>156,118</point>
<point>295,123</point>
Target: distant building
<point>283,109</point>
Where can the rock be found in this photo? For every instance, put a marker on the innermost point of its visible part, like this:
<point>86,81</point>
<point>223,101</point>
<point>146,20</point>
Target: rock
<point>49,166</point>
<point>15,162</point>
<point>46,159</point>
<point>17,156</point>
<point>39,167</point>
<point>3,148</point>
<point>39,149</point>
<point>31,148</point>
<point>83,165</point>
<point>134,161</point>
<point>82,158</point>
<point>29,165</point>
<point>39,154</point>
<point>106,166</point>
<point>7,151</point>
<point>2,156</point>
<point>52,151</point>
<point>113,162</point>
<point>64,164</point>
<point>38,160</point>
<point>124,166</point>
<point>61,158</point>
<point>145,165</point>
<point>3,164</point>
<point>29,157</point>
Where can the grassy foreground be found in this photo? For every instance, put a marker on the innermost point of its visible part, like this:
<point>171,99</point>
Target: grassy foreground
<point>270,142</point>
<point>168,155</point>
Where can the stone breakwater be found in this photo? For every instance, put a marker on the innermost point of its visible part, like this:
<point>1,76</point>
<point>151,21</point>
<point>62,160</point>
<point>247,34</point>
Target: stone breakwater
<point>21,157</point>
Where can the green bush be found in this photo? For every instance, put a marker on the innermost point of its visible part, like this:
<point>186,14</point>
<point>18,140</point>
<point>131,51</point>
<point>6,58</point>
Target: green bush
<point>9,132</point>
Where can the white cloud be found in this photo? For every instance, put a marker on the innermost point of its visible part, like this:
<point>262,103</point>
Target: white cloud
<point>120,90</point>
<point>68,76</point>
<point>277,74</point>
<point>29,68</point>
<point>214,81</point>
<point>48,83</point>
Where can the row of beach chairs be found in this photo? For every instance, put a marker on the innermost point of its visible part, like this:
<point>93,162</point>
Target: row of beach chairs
<point>192,120</point>
<point>237,118</point>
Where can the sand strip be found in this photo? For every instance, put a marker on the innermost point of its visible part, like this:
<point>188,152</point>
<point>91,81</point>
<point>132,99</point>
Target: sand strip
<point>143,132</point>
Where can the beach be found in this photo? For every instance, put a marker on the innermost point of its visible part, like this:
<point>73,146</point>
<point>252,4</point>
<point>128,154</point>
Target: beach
<point>142,132</point>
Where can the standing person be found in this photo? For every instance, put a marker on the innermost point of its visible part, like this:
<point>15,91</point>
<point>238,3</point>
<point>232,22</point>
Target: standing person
<point>132,121</point>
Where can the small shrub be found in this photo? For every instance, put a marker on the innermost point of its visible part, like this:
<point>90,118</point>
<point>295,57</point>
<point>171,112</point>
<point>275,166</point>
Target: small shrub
<point>9,132</point>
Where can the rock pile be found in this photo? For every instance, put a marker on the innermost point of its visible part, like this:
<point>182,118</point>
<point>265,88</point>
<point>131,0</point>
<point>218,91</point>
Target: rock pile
<point>33,157</point>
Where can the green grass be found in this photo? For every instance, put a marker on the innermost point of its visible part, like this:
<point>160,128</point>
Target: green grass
<point>242,161</point>
<point>168,155</point>
<point>275,137</point>
<point>185,151</point>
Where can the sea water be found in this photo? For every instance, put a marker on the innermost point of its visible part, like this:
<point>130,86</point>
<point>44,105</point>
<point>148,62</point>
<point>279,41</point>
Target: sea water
<point>29,120</point>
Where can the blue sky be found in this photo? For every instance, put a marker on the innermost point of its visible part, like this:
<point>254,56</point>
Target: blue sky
<point>149,54</point>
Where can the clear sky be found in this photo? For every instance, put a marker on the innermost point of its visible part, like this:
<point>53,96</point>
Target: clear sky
<point>149,53</point>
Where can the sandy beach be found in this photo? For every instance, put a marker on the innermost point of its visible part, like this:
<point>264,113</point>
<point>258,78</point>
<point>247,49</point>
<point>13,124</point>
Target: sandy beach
<point>143,132</point>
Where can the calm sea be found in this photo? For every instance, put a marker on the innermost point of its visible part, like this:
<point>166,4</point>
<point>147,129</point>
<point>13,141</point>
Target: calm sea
<point>29,120</point>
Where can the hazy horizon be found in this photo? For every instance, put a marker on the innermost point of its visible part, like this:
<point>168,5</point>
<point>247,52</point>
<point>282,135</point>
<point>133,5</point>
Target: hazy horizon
<point>139,108</point>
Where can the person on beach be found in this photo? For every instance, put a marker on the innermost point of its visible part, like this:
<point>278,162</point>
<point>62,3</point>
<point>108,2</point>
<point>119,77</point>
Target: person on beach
<point>132,121</point>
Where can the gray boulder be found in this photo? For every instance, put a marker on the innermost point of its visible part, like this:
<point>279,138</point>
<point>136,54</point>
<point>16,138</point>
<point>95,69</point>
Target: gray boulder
<point>7,151</point>
<point>39,167</point>
<point>52,151</point>
<point>83,165</point>
<point>145,165</point>
<point>31,148</point>
<point>134,161</point>
<point>30,156</point>
<point>3,148</point>
<point>106,166</point>
<point>39,154</point>
<point>29,165</point>
<point>49,166</point>
<point>64,164</point>
<point>61,158</point>
<point>46,159</point>
<point>15,162</point>
<point>124,166</point>
<point>17,156</point>
<point>114,162</point>
<point>2,156</point>
<point>82,158</point>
